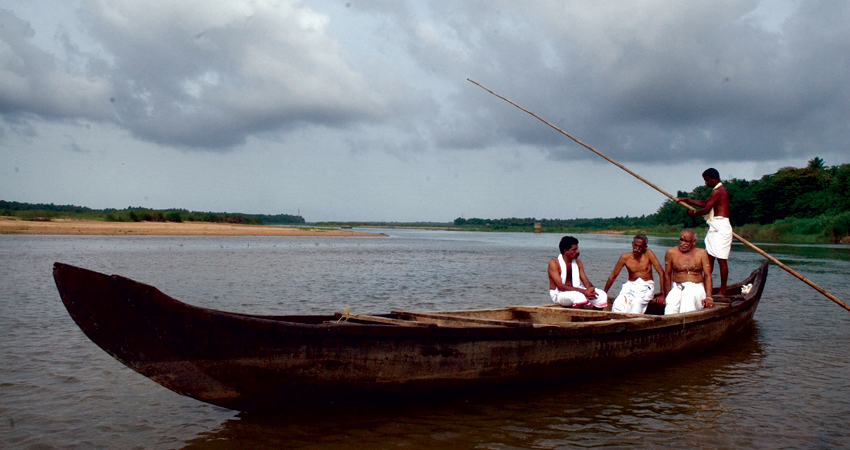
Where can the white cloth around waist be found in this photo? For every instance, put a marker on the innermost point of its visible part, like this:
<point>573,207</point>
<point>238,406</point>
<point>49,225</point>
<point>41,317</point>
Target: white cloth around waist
<point>718,240</point>
<point>575,298</point>
<point>684,297</point>
<point>634,296</point>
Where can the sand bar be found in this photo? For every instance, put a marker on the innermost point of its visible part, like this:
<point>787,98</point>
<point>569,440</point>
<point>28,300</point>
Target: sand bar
<point>95,227</point>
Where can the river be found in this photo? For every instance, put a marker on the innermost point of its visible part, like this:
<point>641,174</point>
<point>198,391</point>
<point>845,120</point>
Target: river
<point>783,383</point>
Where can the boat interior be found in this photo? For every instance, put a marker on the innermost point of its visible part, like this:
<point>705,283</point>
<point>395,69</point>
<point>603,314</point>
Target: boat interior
<point>517,316</point>
<point>536,316</point>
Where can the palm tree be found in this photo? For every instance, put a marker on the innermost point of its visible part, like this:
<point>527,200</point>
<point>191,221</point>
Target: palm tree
<point>816,163</point>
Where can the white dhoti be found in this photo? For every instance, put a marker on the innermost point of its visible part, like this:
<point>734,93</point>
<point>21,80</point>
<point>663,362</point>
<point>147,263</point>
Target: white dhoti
<point>575,298</point>
<point>684,297</point>
<point>718,240</point>
<point>634,296</point>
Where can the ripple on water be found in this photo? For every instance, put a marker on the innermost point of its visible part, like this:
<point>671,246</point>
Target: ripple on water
<point>781,384</point>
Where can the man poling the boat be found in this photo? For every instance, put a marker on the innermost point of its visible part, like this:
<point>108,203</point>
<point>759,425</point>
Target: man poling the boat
<point>715,210</point>
<point>735,235</point>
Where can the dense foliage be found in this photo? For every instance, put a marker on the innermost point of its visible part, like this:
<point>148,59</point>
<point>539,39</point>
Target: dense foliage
<point>790,193</point>
<point>813,200</point>
<point>18,206</point>
<point>596,223</point>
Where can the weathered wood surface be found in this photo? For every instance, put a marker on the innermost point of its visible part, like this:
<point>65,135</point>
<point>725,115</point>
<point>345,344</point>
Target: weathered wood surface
<point>384,320</point>
<point>445,319</point>
<point>248,362</point>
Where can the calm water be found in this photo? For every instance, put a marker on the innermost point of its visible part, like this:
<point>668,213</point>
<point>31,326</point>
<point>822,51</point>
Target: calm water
<point>781,384</point>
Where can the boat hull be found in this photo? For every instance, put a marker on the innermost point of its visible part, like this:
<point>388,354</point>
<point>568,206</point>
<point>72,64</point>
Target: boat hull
<point>247,362</point>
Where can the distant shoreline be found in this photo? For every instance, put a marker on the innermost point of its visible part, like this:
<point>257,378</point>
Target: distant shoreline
<point>100,228</point>
<point>79,227</point>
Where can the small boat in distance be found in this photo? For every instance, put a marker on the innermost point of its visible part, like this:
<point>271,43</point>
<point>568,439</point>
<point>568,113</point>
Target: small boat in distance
<point>252,362</point>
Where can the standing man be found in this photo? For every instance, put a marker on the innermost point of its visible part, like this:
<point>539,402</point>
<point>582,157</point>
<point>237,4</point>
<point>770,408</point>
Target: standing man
<point>568,284</point>
<point>689,274</point>
<point>639,290</point>
<point>718,240</point>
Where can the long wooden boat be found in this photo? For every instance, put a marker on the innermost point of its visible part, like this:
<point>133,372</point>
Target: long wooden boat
<point>250,362</point>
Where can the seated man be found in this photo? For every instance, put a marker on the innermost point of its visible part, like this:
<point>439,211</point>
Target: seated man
<point>567,279</point>
<point>639,290</point>
<point>689,274</point>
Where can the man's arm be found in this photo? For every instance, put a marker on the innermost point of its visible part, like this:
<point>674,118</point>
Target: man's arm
<point>705,206</point>
<point>666,277</point>
<point>668,270</point>
<point>690,201</point>
<point>662,285</point>
<point>555,276</point>
<point>617,268</point>
<point>706,280</point>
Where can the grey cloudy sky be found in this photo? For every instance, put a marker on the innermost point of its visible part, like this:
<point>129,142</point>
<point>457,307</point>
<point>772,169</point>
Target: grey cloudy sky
<point>360,110</point>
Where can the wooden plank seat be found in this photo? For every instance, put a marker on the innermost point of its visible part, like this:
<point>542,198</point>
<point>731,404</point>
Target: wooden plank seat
<point>453,320</point>
<point>546,314</point>
<point>613,324</point>
<point>382,320</point>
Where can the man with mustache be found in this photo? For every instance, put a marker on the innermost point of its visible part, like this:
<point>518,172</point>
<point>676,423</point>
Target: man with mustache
<point>568,284</point>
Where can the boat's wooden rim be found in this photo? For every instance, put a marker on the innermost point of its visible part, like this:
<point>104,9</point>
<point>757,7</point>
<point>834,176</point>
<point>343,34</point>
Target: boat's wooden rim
<point>555,316</point>
<point>245,361</point>
<point>484,323</point>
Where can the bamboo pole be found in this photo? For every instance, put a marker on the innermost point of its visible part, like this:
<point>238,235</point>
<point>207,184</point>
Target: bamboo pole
<point>739,238</point>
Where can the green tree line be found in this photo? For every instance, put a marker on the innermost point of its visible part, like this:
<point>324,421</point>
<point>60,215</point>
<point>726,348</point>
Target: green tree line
<point>812,201</point>
<point>642,221</point>
<point>801,193</point>
<point>44,211</point>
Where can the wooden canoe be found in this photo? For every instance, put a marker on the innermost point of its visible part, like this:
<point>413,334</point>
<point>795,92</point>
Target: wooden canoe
<point>250,362</point>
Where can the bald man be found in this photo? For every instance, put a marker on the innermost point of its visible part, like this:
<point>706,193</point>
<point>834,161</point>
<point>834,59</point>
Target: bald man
<point>688,271</point>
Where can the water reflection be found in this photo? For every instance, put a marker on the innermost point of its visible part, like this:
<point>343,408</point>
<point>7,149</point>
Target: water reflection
<point>782,385</point>
<point>677,402</point>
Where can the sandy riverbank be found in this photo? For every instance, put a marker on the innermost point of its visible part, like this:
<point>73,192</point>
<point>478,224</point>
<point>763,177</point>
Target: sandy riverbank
<point>94,227</point>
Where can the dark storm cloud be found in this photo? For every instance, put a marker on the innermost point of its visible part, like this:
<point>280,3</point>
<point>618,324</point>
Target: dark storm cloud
<point>31,84</point>
<point>194,74</point>
<point>671,81</point>
<point>643,81</point>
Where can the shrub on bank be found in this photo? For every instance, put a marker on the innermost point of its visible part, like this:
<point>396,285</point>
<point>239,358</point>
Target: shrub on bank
<point>837,227</point>
<point>37,214</point>
<point>821,229</point>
